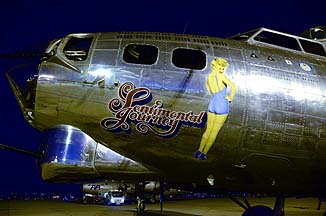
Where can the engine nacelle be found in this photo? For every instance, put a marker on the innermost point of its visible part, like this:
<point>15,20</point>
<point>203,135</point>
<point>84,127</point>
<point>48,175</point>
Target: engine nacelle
<point>70,155</point>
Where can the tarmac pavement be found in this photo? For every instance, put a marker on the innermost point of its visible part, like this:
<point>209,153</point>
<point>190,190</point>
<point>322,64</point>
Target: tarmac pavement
<point>204,207</point>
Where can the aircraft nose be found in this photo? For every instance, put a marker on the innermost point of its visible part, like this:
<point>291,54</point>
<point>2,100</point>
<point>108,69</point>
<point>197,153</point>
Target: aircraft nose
<point>23,85</point>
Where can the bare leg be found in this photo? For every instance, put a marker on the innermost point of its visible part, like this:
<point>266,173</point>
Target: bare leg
<point>217,125</point>
<point>209,127</point>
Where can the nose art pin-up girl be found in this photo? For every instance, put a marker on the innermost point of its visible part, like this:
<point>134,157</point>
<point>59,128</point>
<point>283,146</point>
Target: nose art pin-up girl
<point>218,108</point>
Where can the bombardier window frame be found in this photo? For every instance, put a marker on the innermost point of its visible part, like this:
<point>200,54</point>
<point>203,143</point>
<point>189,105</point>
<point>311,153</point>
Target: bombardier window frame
<point>75,50</point>
<point>143,52</point>
<point>185,59</point>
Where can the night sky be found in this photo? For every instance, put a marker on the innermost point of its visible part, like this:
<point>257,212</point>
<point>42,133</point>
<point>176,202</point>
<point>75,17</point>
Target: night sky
<point>27,26</point>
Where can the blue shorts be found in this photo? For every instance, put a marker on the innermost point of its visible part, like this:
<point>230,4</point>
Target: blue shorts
<point>219,104</point>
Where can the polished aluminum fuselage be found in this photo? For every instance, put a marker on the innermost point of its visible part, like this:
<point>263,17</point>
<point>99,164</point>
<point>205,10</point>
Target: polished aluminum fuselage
<point>275,133</point>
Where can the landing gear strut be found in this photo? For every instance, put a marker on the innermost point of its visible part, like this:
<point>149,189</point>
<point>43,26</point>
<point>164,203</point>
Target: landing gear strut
<point>261,210</point>
<point>141,201</point>
<point>140,207</point>
<point>161,195</point>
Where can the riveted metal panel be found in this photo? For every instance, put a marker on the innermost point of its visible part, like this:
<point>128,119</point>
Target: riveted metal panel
<point>221,52</point>
<point>312,126</point>
<point>230,137</point>
<point>237,114</point>
<point>175,45</point>
<point>105,57</point>
<point>276,120</point>
<point>131,75</point>
<point>236,54</point>
<point>291,141</point>
<point>203,47</point>
<point>108,36</point>
<point>323,128</point>
<point>256,117</point>
<point>292,105</point>
<point>322,147</point>
<point>308,144</point>
<point>313,107</point>
<point>107,44</point>
<point>271,138</point>
<point>252,139</point>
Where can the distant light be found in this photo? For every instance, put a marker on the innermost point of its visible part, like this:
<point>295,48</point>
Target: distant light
<point>211,180</point>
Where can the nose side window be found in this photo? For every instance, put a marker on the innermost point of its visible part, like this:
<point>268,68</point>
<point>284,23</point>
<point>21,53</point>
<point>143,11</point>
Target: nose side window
<point>189,58</point>
<point>77,49</point>
<point>140,54</point>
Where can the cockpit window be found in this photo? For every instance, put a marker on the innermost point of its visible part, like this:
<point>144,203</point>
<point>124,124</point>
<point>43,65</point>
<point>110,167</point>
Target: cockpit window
<point>311,47</point>
<point>140,54</point>
<point>278,40</point>
<point>189,58</point>
<point>77,49</point>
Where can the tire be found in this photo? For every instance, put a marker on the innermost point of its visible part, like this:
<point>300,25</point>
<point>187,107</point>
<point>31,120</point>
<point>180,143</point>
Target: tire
<point>259,210</point>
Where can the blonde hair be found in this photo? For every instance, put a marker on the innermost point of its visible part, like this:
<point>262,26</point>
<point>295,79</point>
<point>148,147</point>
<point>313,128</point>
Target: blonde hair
<point>220,61</point>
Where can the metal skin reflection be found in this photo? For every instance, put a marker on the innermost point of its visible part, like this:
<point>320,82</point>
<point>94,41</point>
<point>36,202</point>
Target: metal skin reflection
<point>274,136</point>
<point>67,148</point>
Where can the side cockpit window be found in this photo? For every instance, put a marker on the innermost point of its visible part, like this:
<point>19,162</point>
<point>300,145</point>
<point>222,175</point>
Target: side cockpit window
<point>77,49</point>
<point>140,54</point>
<point>189,58</point>
<point>313,48</point>
<point>278,40</point>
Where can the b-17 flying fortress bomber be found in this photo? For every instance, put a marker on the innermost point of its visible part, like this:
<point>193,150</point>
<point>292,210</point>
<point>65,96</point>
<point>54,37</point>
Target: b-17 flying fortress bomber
<point>245,113</point>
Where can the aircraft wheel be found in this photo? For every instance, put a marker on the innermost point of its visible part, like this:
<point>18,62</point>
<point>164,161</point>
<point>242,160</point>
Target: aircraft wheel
<point>259,210</point>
